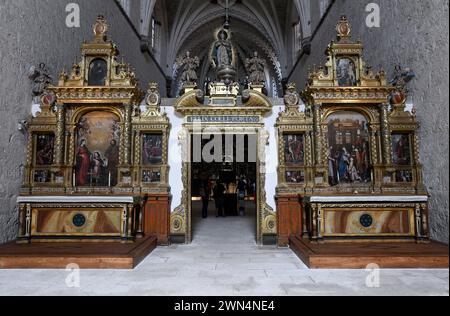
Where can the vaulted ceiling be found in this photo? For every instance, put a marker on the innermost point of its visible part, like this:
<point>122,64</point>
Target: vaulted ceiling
<point>256,25</point>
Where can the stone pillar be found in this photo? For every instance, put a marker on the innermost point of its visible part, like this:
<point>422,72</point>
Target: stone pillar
<point>386,135</point>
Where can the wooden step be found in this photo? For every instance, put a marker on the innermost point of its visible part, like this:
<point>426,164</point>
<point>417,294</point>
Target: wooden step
<point>387,255</point>
<point>85,255</point>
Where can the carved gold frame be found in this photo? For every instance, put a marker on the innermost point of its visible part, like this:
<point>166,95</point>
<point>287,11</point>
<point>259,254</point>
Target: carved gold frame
<point>256,106</point>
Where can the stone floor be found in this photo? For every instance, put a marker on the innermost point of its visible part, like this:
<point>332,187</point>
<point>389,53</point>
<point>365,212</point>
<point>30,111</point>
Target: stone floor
<point>224,260</point>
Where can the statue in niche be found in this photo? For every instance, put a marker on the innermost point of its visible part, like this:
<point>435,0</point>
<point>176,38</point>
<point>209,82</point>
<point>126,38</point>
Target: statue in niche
<point>41,79</point>
<point>255,67</point>
<point>222,54</point>
<point>190,66</point>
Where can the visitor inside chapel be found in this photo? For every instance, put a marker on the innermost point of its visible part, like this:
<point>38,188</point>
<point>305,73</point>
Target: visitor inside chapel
<point>223,149</point>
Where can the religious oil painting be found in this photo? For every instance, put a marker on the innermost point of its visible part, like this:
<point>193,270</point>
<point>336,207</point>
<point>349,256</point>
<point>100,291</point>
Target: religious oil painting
<point>152,149</point>
<point>151,177</point>
<point>294,149</point>
<point>401,147</point>
<point>97,151</point>
<point>349,149</point>
<point>346,72</point>
<point>42,176</point>
<point>295,176</point>
<point>44,149</point>
<point>98,70</point>
<point>404,176</point>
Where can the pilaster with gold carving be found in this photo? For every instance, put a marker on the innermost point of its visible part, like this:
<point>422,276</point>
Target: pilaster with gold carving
<point>60,134</point>
<point>127,135</point>
<point>386,135</point>
<point>317,135</point>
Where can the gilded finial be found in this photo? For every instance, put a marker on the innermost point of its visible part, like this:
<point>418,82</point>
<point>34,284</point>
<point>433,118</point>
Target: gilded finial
<point>343,28</point>
<point>153,97</point>
<point>100,29</point>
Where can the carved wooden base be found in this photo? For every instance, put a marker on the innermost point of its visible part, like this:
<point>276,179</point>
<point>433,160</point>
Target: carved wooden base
<point>289,213</point>
<point>389,255</point>
<point>157,217</point>
<point>85,255</point>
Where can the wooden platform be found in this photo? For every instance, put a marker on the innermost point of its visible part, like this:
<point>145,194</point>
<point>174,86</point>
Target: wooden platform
<point>85,255</point>
<point>360,255</point>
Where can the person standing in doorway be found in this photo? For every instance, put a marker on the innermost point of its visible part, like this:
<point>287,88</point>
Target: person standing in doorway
<point>219,197</point>
<point>204,193</point>
<point>241,192</point>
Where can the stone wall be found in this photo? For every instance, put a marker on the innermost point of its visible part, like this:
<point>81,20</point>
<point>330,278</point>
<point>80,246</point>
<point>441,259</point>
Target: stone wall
<point>33,32</point>
<point>415,34</point>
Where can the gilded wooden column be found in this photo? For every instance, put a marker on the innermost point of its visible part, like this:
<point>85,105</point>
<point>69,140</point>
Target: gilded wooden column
<point>309,156</point>
<point>29,163</point>
<point>386,135</point>
<point>318,138</point>
<point>374,146</point>
<point>127,135</point>
<point>60,134</point>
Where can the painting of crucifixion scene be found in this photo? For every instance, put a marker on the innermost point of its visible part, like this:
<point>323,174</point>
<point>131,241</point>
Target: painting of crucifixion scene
<point>294,149</point>
<point>349,149</point>
<point>152,149</point>
<point>97,150</point>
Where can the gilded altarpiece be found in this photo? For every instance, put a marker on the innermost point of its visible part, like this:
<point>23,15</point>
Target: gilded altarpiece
<point>84,176</point>
<point>362,175</point>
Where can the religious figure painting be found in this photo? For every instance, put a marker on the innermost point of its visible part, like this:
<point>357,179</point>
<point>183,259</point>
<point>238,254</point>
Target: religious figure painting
<point>401,148</point>
<point>151,177</point>
<point>152,149</point>
<point>349,149</point>
<point>42,176</point>
<point>295,176</point>
<point>97,151</point>
<point>346,72</point>
<point>44,149</point>
<point>404,176</point>
<point>294,149</point>
<point>98,70</point>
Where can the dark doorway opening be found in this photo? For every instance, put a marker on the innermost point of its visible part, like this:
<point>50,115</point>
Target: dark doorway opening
<point>224,191</point>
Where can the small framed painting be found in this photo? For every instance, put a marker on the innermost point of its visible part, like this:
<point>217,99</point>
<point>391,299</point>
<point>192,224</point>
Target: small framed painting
<point>401,149</point>
<point>44,149</point>
<point>152,149</point>
<point>295,177</point>
<point>294,149</point>
<point>151,176</point>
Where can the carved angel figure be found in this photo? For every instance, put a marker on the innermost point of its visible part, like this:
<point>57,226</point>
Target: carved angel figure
<point>189,65</point>
<point>41,79</point>
<point>255,67</point>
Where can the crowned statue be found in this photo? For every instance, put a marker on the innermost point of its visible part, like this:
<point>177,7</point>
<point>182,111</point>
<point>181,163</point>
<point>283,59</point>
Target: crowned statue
<point>255,67</point>
<point>189,65</point>
<point>222,50</point>
<point>222,58</point>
